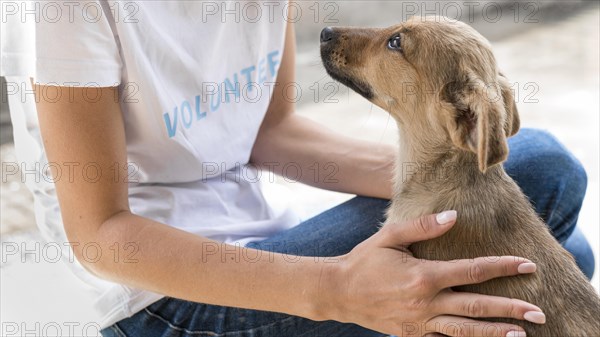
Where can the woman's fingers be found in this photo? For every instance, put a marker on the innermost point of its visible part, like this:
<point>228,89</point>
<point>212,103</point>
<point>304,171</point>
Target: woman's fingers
<point>426,227</point>
<point>481,269</point>
<point>464,327</point>
<point>476,305</point>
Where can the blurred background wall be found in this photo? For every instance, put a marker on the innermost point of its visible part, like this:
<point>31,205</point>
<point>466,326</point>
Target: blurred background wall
<point>494,19</point>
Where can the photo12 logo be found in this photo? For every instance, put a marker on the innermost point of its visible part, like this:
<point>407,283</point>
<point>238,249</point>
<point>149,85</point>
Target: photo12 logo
<point>255,11</point>
<point>471,11</point>
<point>52,172</point>
<point>53,252</point>
<point>51,329</point>
<point>67,11</point>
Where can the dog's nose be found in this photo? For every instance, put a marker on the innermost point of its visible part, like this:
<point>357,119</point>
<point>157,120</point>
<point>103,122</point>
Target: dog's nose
<point>327,34</point>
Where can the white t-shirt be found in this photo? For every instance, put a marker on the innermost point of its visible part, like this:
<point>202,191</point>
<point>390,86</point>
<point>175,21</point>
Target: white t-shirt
<point>195,81</point>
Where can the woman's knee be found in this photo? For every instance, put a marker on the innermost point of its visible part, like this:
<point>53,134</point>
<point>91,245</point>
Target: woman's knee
<point>581,250</point>
<point>554,155</point>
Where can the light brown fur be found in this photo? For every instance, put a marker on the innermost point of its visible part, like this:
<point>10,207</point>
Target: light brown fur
<point>455,111</point>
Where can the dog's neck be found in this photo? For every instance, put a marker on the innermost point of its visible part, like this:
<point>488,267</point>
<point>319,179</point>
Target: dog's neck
<point>434,172</point>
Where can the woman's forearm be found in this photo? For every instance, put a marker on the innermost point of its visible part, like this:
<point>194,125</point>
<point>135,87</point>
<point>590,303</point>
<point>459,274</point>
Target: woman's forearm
<point>378,285</point>
<point>175,263</point>
<point>323,158</point>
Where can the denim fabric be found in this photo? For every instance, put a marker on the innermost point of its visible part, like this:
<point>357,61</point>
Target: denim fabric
<point>549,175</point>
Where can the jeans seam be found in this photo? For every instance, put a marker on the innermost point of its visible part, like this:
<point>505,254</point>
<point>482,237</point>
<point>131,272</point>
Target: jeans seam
<point>322,332</point>
<point>178,328</point>
<point>211,333</point>
<point>326,332</point>
<point>564,224</point>
<point>117,330</point>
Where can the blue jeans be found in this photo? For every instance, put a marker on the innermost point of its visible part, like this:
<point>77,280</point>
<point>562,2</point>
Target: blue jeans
<point>549,175</point>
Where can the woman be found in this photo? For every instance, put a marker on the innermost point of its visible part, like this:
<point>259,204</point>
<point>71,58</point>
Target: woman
<point>153,112</point>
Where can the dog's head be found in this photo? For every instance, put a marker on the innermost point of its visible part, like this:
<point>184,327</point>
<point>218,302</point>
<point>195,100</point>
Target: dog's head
<point>435,76</point>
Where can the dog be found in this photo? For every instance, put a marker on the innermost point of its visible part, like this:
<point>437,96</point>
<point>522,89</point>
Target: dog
<point>439,80</point>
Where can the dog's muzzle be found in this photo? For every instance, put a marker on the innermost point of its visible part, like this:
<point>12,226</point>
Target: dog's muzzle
<point>332,60</point>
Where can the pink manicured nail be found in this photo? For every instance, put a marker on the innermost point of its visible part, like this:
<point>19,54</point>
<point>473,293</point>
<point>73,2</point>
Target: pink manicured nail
<point>445,217</point>
<point>516,334</point>
<point>535,317</point>
<point>527,268</point>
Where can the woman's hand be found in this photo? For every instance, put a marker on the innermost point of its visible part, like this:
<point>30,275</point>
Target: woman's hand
<point>381,286</point>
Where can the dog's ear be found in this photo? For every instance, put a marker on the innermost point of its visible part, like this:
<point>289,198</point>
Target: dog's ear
<point>513,122</point>
<point>476,119</point>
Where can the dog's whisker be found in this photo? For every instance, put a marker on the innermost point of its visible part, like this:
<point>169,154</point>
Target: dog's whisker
<point>364,124</point>
<point>387,124</point>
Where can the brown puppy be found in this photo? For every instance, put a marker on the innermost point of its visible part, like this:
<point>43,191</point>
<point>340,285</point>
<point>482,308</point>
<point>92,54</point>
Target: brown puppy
<point>438,79</point>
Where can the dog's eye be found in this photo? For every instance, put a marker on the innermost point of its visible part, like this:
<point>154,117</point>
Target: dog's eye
<point>394,43</point>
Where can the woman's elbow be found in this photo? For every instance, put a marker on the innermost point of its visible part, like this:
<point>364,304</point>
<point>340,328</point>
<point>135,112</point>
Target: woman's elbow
<point>97,249</point>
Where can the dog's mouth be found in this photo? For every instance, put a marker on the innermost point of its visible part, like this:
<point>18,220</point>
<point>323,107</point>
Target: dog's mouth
<point>339,75</point>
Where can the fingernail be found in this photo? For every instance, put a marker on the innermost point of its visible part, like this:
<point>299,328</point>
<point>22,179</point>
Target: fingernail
<point>445,217</point>
<point>516,334</point>
<point>527,268</point>
<point>535,317</point>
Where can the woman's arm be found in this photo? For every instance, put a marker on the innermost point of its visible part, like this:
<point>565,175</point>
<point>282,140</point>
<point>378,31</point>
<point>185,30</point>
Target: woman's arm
<point>361,167</point>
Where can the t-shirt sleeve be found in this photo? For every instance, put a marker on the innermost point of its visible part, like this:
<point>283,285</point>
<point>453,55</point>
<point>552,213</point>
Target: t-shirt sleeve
<point>67,43</point>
